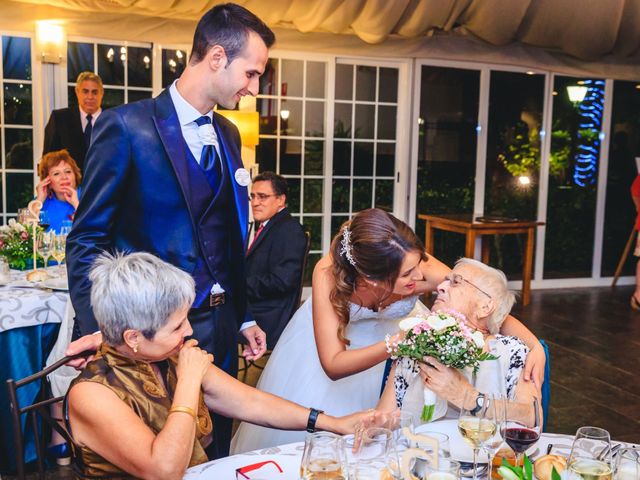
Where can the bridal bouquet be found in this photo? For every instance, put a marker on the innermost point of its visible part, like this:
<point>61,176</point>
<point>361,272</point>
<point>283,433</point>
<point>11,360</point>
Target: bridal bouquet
<point>16,243</point>
<point>445,336</point>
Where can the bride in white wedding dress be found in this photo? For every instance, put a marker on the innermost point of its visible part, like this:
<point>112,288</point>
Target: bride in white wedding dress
<point>332,354</point>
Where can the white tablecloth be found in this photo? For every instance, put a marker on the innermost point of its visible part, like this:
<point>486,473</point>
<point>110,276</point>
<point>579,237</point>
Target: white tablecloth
<point>289,457</point>
<point>26,307</point>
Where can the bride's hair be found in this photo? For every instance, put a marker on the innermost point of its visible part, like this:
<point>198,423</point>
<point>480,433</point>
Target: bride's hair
<point>371,246</point>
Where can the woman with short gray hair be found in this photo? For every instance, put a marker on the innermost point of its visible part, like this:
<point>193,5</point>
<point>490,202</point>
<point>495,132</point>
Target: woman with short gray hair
<point>141,406</point>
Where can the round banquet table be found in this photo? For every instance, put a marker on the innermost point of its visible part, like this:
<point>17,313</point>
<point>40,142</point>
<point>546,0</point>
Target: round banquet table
<point>288,456</point>
<point>30,318</point>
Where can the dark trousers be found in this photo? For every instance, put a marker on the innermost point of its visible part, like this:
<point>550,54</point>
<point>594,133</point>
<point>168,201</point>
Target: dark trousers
<point>217,332</point>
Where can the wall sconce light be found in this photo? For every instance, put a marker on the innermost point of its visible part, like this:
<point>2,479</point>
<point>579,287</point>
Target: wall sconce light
<point>51,41</point>
<point>284,114</point>
<point>576,93</point>
<point>247,123</point>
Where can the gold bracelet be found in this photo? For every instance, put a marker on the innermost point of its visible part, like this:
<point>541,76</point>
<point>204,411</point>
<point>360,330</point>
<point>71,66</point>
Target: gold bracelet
<point>187,410</point>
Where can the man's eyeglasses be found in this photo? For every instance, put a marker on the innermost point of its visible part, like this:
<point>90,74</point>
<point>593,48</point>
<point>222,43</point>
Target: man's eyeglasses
<point>456,279</point>
<point>241,473</point>
<point>261,197</point>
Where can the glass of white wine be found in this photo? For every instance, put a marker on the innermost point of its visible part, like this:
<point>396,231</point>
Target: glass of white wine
<point>45,245</point>
<point>323,457</point>
<point>58,250</point>
<point>590,457</point>
<point>475,425</point>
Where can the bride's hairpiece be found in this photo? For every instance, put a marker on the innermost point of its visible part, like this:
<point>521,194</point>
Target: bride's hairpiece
<point>347,249</point>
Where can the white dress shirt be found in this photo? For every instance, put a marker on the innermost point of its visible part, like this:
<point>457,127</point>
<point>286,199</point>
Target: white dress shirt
<point>83,118</point>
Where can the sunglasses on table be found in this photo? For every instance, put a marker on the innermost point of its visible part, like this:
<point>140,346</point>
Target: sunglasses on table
<point>456,279</point>
<point>242,473</point>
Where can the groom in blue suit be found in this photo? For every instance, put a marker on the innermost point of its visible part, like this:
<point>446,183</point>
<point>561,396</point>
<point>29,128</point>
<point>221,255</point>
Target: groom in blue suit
<point>165,176</point>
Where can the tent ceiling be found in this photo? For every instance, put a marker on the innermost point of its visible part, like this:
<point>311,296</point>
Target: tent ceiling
<point>586,29</point>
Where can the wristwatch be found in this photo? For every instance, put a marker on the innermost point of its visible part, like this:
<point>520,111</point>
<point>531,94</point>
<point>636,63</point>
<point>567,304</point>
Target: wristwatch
<point>479,404</point>
<point>313,418</point>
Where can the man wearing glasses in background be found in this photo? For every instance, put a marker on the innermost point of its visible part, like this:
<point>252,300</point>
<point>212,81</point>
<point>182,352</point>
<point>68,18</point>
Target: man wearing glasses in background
<point>274,258</point>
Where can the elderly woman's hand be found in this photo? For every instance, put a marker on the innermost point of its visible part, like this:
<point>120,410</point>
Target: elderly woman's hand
<point>446,382</point>
<point>193,361</point>
<point>534,365</point>
<point>70,195</point>
<point>42,189</point>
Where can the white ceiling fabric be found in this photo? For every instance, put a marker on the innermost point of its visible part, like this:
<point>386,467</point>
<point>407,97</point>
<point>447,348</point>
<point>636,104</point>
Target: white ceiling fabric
<point>586,29</point>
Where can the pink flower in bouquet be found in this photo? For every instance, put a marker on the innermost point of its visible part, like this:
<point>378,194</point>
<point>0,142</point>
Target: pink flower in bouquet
<point>24,235</point>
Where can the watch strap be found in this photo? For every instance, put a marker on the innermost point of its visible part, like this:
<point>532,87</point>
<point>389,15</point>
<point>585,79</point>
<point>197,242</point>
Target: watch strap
<point>479,404</point>
<point>313,418</point>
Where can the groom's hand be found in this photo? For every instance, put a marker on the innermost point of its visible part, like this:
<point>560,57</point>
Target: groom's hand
<point>256,343</point>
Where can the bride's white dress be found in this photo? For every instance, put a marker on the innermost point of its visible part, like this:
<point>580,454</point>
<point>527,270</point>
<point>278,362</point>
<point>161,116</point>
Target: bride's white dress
<point>294,371</point>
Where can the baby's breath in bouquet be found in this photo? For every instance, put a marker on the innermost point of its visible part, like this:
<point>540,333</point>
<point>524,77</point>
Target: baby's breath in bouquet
<point>445,336</point>
<point>16,243</point>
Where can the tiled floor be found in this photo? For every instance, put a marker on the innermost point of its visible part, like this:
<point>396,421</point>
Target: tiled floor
<point>594,340</point>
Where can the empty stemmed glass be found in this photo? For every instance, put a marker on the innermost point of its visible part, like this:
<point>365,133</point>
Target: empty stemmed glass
<point>522,426</point>
<point>590,455</point>
<point>492,443</point>
<point>627,464</point>
<point>378,451</point>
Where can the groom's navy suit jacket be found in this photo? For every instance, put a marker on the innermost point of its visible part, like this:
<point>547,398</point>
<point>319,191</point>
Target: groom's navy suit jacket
<point>136,197</point>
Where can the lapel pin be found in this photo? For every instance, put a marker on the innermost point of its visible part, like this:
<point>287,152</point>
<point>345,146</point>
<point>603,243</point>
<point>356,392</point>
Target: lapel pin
<point>243,177</point>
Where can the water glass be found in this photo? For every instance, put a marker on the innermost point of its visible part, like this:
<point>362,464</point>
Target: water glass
<point>591,453</point>
<point>323,457</point>
<point>5,272</point>
<point>379,449</point>
<point>627,464</point>
<point>447,469</point>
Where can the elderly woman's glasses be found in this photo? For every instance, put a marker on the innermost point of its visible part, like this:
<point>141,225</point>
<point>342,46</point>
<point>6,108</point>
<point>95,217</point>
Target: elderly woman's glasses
<point>456,279</point>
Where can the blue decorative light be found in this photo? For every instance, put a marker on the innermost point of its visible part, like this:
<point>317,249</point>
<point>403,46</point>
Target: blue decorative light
<point>590,111</point>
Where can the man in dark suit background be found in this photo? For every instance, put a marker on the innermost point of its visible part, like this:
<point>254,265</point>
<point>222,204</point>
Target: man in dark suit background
<point>71,127</point>
<point>274,258</point>
<point>165,176</point>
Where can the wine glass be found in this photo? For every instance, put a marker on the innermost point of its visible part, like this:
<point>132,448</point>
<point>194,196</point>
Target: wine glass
<point>45,242</point>
<point>447,469</point>
<point>522,426</point>
<point>474,424</point>
<point>378,449</point>
<point>590,455</point>
<point>627,464</point>
<point>43,219</point>
<point>58,251</point>
<point>323,457</point>
<point>495,411</point>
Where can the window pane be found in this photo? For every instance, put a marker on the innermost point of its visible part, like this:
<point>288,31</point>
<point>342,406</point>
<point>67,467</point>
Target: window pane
<point>341,158</point>
<point>384,194</point>
<point>362,194</point>
<point>385,159</point>
<point>19,191</point>
<point>292,71</point>
<point>266,155</point>
<point>340,196</point>
<point>1,203</point>
<point>18,148</point>
<point>111,64</point>
<point>314,225</point>
<point>387,119</point>
<point>313,158</point>
<point>447,143</point>
<point>365,83</point>
<point>291,124</point>
<point>313,196</point>
<point>173,63</point>
<point>311,263</point>
<point>112,98</point>
<point>135,95</point>
<point>293,200</point>
<point>314,123</point>
<point>72,100</point>
<point>344,82</point>
<point>79,59</point>
<point>388,87</point>
<point>365,118</point>
<point>16,58</point>
<point>363,158</point>
<point>513,159</point>
<point>342,120</point>
<point>139,66</point>
<point>290,157</point>
<point>575,148</point>
<point>624,145</point>
<point>17,104</point>
<point>269,79</point>
<point>267,107</point>
<point>336,223</point>
<point>315,79</point>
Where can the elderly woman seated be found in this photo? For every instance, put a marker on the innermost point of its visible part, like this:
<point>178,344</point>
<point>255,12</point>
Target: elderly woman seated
<point>140,408</point>
<point>480,293</point>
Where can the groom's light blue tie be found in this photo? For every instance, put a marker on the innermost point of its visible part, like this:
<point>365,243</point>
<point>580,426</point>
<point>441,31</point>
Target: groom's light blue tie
<point>209,160</point>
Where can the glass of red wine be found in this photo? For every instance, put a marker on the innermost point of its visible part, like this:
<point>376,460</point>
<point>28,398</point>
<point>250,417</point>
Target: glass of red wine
<point>522,426</point>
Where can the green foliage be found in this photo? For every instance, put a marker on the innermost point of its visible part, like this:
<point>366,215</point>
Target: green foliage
<point>519,151</point>
<point>16,243</point>
<point>509,472</point>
